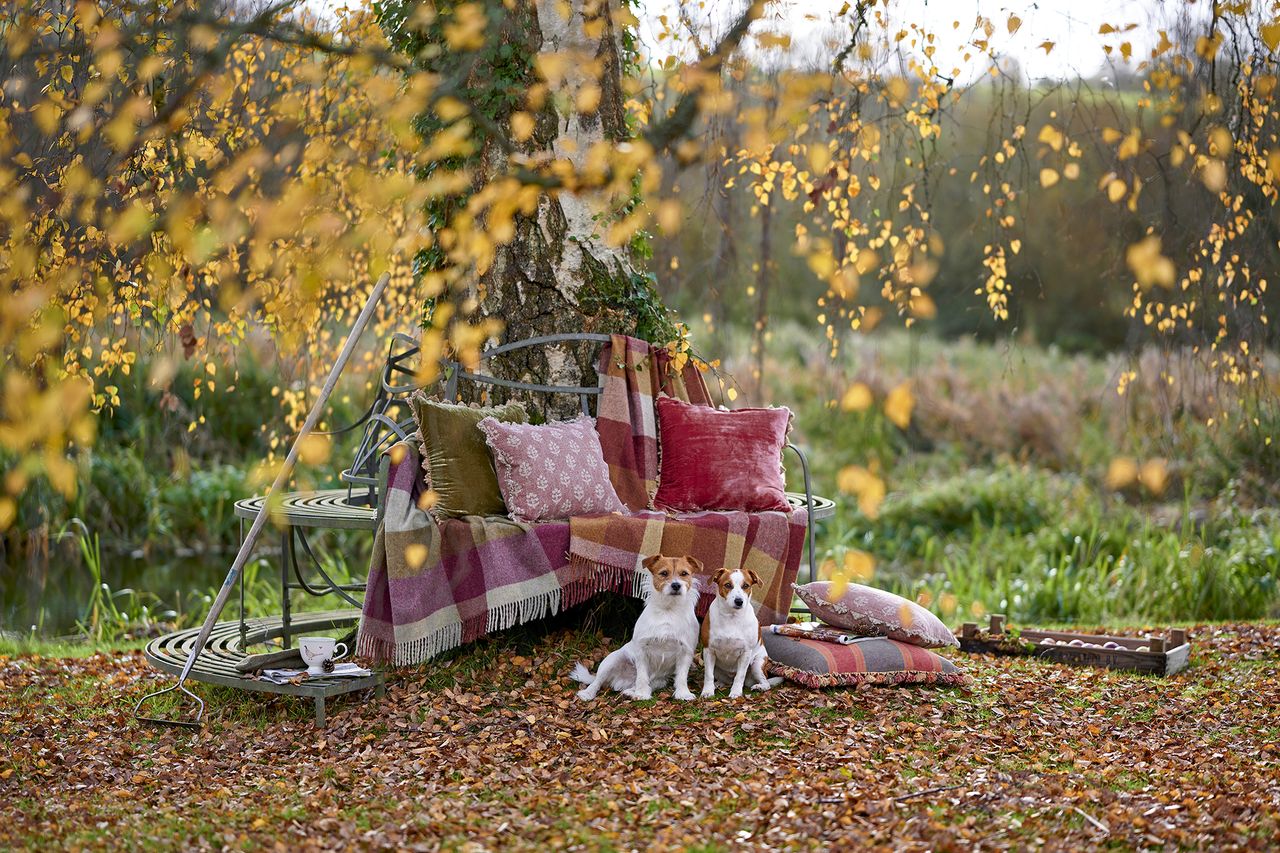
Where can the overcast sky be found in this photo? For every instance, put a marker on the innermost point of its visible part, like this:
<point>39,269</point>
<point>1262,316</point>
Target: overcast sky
<point>1072,25</point>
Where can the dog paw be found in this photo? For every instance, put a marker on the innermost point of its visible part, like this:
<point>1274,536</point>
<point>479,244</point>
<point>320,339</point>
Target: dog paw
<point>586,695</point>
<point>708,694</point>
<point>735,694</point>
<point>639,696</point>
<point>762,686</point>
<point>683,696</point>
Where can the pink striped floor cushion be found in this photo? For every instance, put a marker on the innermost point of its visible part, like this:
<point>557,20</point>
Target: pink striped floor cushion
<point>869,660</point>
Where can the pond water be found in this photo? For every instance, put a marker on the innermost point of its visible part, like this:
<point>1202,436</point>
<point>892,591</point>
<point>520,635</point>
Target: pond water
<point>50,595</point>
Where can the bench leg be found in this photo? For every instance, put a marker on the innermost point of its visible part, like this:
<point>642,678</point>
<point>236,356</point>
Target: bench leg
<point>286,559</point>
<point>320,712</point>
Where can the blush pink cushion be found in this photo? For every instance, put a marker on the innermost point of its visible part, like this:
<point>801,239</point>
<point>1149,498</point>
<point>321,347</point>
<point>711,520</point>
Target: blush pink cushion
<point>721,459</point>
<point>870,612</point>
<point>551,471</point>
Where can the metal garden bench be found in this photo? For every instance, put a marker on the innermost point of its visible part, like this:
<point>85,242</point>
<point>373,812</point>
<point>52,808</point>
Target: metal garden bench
<point>355,506</point>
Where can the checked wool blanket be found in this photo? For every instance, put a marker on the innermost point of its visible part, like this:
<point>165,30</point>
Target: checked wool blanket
<point>437,584</point>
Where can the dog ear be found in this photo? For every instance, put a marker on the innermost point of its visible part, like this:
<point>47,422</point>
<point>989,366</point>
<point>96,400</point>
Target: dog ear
<point>753,577</point>
<point>718,577</point>
<point>698,568</point>
<point>650,562</point>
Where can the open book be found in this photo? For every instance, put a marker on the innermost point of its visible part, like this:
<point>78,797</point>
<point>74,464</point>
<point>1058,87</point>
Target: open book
<point>815,631</point>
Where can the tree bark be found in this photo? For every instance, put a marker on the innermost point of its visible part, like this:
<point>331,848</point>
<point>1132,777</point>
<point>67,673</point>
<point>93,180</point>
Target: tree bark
<point>558,275</point>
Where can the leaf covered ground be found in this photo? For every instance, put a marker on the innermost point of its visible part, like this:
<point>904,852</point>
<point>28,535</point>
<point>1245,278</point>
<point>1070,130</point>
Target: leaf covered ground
<point>491,749</point>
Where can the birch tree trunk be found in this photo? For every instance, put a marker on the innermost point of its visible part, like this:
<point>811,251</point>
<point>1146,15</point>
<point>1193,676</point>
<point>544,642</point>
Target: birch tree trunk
<point>558,274</point>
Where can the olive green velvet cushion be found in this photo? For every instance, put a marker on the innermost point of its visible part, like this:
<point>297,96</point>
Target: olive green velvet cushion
<point>456,458</point>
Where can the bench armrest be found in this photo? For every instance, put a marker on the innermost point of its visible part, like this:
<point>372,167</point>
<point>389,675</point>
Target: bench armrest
<point>808,505</point>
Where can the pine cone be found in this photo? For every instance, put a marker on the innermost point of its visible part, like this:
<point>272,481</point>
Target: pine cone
<point>327,666</point>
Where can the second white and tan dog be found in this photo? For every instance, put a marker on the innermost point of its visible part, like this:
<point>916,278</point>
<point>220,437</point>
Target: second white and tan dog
<point>731,641</point>
<point>664,639</point>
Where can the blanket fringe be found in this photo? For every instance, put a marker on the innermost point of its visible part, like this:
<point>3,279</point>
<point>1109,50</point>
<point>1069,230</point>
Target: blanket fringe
<point>377,648</point>
<point>587,580</point>
<point>593,578</point>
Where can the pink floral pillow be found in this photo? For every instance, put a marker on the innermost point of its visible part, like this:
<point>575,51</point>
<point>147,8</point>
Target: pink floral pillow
<point>870,612</point>
<point>551,471</point>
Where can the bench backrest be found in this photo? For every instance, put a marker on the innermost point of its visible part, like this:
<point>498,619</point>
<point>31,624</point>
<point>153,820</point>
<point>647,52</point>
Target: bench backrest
<point>390,419</point>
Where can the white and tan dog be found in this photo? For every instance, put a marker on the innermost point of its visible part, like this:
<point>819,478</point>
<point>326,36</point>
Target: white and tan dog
<point>731,641</point>
<point>663,641</point>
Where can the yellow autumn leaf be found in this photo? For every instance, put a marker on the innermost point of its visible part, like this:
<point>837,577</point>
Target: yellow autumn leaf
<point>415,554</point>
<point>1048,177</point>
<point>669,215</point>
<point>1214,175</point>
<point>1154,476</point>
<point>588,99</point>
<point>1220,141</point>
<point>1131,145</point>
<point>865,485</point>
<point>314,449</point>
<point>857,398</point>
<point>1271,34</point>
<point>521,125</point>
<point>899,404</point>
<point>859,565</point>
<point>1051,136</point>
<point>1121,472</point>
<point>1148,265</point>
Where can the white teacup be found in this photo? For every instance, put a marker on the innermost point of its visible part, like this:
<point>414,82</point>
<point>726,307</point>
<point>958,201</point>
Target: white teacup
<point>316,650</point>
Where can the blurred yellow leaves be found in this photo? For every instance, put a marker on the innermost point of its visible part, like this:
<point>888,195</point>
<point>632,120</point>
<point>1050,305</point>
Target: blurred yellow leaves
<point>466,28</point>
<point>1123,472</point>
<point>1214,175</point>
<point>1048,177</point>
<point>1051,136</point>
<point>315,449</point>
<point>868,488</point>
<point>857,398</point>
<point>521,125</point>
<point>1154,476</point>
<point>1148,265</point>
<point>415,554</point>
<point>856,566</point>
<point>899,404</point>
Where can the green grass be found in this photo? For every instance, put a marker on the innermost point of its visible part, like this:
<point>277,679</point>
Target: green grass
<point>1045,547</point>
<point>998,500</point>
<point>997,493</point>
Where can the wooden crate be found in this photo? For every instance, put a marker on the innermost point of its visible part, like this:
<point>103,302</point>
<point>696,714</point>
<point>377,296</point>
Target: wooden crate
<point>1163,655</point>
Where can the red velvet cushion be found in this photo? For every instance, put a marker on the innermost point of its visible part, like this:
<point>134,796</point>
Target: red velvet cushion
<point>719,459</point>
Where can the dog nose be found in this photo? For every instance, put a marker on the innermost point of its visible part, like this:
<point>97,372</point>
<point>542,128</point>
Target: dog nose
<point>675,586</point>
<point>737,602</point>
